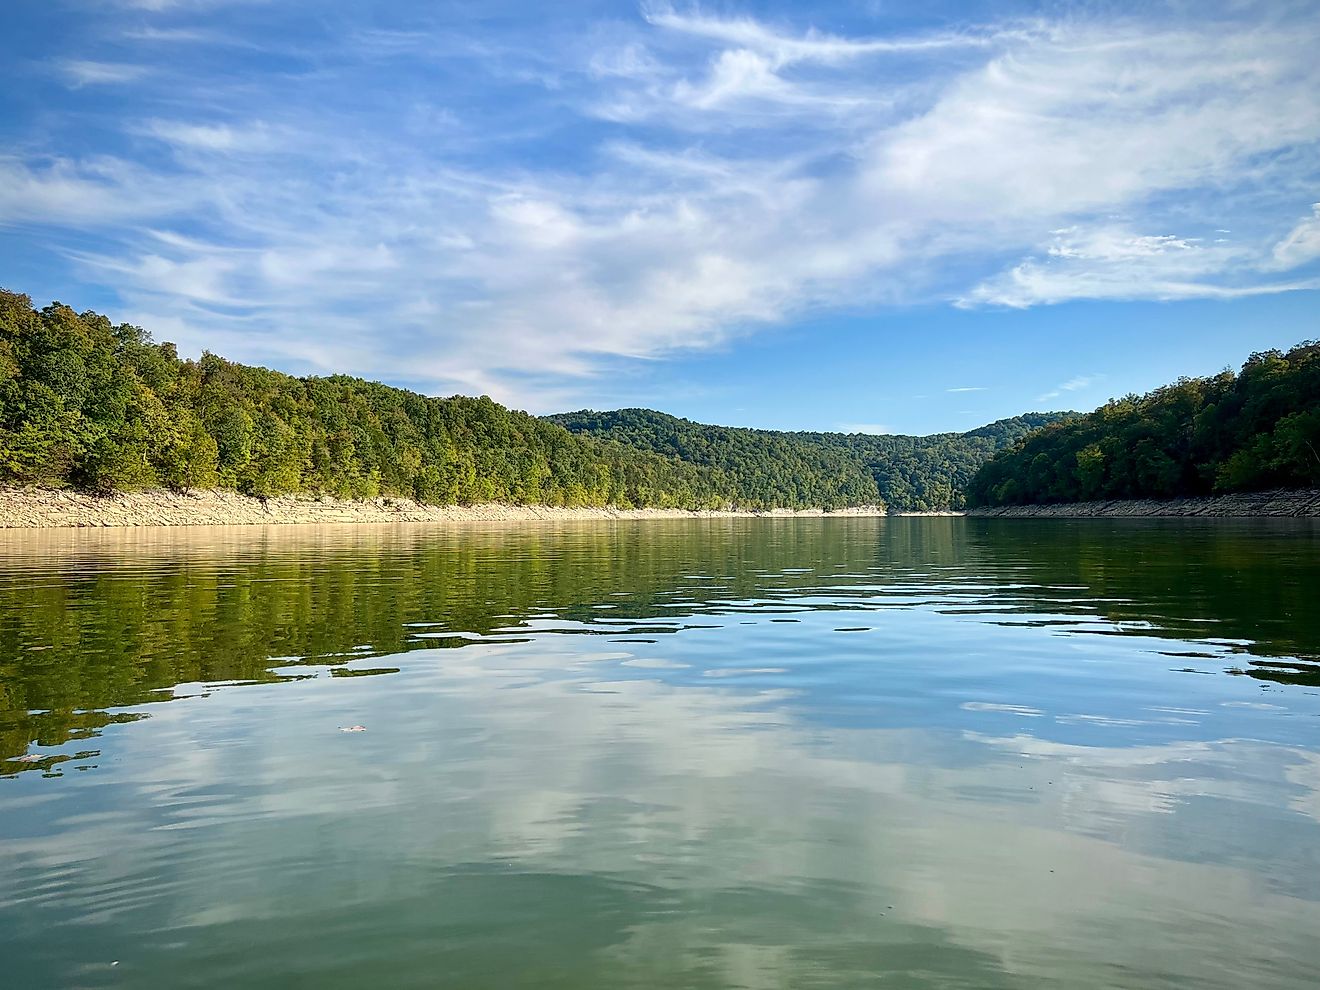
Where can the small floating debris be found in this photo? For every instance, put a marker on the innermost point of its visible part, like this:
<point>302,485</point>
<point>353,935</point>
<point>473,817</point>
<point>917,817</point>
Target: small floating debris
<point>352,728</point>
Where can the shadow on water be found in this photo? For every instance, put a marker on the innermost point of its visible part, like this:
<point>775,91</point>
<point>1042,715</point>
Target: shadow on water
<point>96,621</point>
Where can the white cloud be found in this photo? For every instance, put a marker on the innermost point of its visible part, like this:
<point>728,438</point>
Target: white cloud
<point>1030,284</point>
<point>1110,245</point>
<point>1302,245</point>
<point>1111,262</point>
<point>967,388</point>
<point>83,72</point>
<point>783,48</point>
<point>169,35</point>
<point>254,136</point>
<point>1078,384</point>
<point>749,173</point>
<point>1097,117</point>
<point>88,193</point>
<point>735,74</point>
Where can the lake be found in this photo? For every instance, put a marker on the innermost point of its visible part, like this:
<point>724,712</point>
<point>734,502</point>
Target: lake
<point>910,753</point>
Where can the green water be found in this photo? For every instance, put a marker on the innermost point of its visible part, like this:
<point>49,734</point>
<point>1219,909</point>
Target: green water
<point>751,753</point>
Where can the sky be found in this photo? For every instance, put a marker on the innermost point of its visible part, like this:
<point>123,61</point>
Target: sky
<point>872,216</point>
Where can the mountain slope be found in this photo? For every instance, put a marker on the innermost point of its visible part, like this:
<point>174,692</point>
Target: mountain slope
<point>822,469</point>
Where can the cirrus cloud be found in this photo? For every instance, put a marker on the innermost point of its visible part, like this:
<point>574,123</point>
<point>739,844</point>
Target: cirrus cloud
<point>525,218</point>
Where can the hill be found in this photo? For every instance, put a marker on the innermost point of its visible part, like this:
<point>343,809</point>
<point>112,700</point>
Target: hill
<point>1251,431</point>
<point>906,473</point>
<point>102,408</point>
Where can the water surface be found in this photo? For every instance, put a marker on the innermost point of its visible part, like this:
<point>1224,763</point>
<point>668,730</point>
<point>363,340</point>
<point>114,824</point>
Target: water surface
<point>717,753</point>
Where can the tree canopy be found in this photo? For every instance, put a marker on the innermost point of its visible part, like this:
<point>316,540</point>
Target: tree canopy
<point>831,470</point>
<point>102,407</point>
<point>1256,430</point>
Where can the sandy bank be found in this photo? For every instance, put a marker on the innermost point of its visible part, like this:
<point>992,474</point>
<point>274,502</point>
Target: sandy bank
<point>45,508</point>
<point>1276,503</point>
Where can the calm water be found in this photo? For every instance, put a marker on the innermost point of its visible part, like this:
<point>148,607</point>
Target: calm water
<point>753,753</point>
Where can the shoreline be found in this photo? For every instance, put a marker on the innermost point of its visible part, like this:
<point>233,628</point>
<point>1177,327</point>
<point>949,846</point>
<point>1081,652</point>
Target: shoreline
<point>36,508</point>
<point>1279,504</point>
<point>52,508</point>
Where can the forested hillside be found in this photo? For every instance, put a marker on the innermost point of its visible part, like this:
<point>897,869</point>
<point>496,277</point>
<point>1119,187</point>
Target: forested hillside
<point>826,469</point>
<point>102,407</point>
<point>1251,431</point>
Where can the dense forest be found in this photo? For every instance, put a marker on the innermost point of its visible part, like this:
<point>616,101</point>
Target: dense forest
<point>910,474</point>
<point>101,407</point>
<point>1255,430</point>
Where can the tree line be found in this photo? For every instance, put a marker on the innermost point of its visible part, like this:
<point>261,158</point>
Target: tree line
<point>1254,430</point>
<point>831,470</point>
<point>102,407</point>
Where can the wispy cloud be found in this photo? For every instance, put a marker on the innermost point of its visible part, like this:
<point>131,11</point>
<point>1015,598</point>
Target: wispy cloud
<point>967,388</point>
<point>210,137</point>
<point>1302,245</point>
<point>102,193</point>
<point>165,36</point>
<point>523,216</point>
<point>1108,262</point>
<point>750,64</point>
<point>1078,384</point>
<point>83,72</point>
<point>788,47</point>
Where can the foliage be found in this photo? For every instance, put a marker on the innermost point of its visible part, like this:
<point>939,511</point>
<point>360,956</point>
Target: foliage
<point>1255,430</point>
<point>104,408</point>
<point>831,470</point>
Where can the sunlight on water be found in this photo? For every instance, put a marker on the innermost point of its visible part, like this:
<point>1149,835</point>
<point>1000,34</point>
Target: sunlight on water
<point>724,753</point>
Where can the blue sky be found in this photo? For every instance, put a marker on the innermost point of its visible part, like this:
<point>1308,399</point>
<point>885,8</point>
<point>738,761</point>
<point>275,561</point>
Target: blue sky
<point>871,215</point>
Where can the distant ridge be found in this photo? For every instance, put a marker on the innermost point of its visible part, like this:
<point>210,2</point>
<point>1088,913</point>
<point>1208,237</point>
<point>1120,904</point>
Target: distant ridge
<point>906,473</point>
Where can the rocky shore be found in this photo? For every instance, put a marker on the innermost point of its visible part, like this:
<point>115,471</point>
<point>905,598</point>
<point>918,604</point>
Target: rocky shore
<point>1253,504</point>
<point>51,508</point>
<point>48,508</point>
